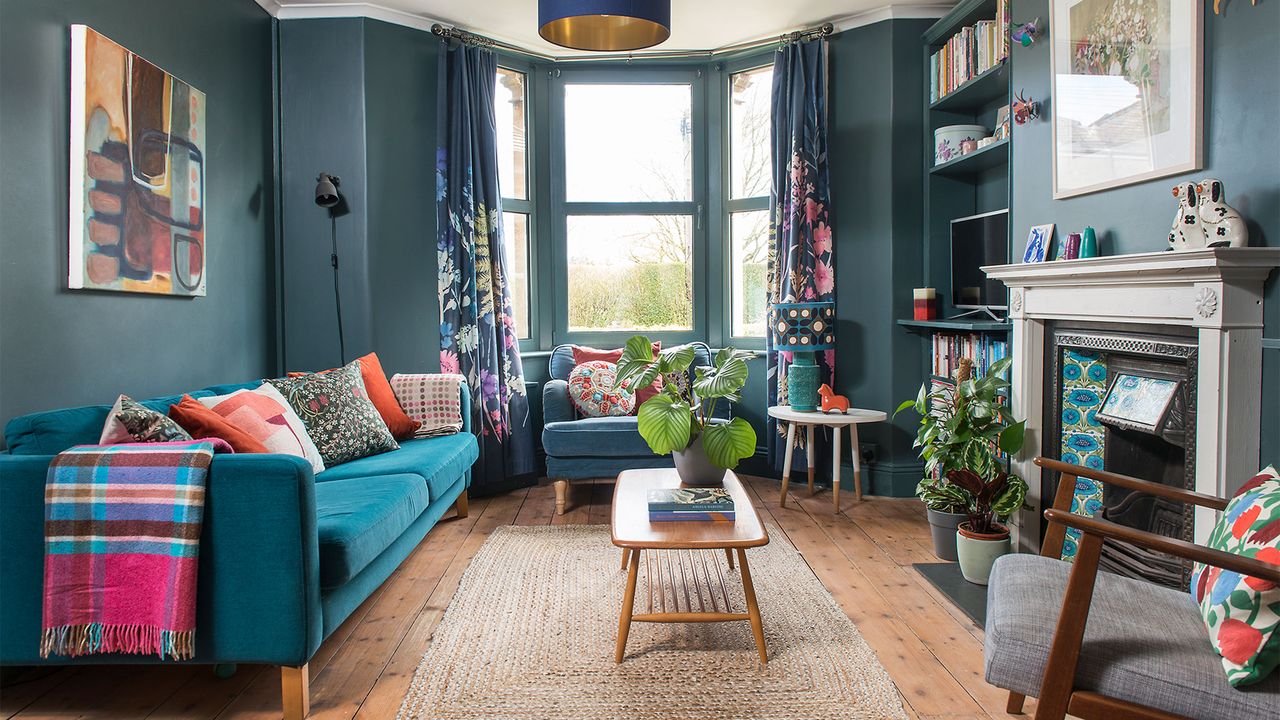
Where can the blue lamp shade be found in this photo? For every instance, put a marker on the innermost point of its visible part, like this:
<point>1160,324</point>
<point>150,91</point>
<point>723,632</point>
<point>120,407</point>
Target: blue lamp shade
<point>608,25</point>
<point>803,326</point>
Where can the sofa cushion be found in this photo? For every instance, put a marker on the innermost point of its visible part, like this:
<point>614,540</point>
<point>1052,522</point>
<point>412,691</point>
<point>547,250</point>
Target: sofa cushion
<point>1143,643</point>
<point>439,461</point>
<point>595,437</point>
<point>357,518</point>
<point>52,431</point>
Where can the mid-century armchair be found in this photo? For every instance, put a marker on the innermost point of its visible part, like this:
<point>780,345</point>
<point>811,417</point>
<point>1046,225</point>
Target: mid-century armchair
<point>1121,648</point>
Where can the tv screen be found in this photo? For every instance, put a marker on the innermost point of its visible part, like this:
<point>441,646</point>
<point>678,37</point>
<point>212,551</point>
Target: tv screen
<point>976,241</point>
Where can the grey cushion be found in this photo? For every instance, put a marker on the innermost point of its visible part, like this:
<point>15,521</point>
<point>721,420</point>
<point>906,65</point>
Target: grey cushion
<point>1143,643</point>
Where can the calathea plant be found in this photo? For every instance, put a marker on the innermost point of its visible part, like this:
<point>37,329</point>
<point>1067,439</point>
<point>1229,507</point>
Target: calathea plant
<point>964,429</point>
<point>675,419</point>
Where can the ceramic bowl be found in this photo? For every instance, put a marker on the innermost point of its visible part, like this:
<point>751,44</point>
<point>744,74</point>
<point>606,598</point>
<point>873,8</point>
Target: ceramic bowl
<point>947,139</point>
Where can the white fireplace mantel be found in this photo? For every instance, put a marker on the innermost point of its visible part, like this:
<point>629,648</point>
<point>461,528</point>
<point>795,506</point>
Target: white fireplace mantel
<point>1216,291</point>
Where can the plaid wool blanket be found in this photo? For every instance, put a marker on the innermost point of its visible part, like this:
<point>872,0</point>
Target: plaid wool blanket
<point>121,538</point>
<point>432,399</point>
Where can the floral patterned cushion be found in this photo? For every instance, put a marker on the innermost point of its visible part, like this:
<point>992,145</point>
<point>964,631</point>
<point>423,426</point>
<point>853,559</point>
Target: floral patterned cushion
<point>594,390</point>
<point>1243,612</point>
<point>131,421</point>
<point>338,414</point>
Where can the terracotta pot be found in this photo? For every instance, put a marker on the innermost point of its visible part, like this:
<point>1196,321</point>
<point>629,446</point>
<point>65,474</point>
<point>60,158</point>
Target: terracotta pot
<point>695,468</point>
<point>977,552</point>
<point>942,527</point>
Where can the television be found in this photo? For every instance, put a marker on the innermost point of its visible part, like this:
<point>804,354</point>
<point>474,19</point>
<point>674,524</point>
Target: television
<point>976,241</point>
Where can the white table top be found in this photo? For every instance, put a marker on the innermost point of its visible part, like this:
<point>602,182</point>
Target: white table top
<point>834,418</point>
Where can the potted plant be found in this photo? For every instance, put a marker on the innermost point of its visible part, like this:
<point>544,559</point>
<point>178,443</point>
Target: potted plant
<point>981,538</point>
<point>965,427</point>
<point>680,421</point>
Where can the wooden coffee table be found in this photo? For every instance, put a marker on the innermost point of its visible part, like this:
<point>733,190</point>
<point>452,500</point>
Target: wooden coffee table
<point>684,576</point>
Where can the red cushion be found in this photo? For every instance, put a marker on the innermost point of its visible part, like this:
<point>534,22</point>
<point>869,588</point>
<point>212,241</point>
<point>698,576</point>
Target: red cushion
<point>587,354</point>
<point>201,423</point>
<point>383,397</point>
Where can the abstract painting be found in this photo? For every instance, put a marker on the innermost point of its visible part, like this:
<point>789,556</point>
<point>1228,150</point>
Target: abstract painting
<point>1126,90</point>
<point>137,197</point>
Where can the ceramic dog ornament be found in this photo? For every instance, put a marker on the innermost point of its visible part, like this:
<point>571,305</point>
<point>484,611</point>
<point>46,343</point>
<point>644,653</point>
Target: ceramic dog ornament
<point>1223,226</point>
<point>1187,232</point>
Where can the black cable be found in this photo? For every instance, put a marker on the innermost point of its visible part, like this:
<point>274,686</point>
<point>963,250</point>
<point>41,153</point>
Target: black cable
<point>337,296</point>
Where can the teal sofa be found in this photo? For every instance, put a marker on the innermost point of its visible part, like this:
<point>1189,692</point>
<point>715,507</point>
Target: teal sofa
<point>285,555</point>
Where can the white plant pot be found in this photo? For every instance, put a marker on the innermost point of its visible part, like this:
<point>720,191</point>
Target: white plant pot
<point>947,139</point>
<point>978,554</point>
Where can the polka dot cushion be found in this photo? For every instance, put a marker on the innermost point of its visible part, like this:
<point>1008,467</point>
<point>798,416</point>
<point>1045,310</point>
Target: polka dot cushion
<point>594,390</point>
<point>1243,612</point>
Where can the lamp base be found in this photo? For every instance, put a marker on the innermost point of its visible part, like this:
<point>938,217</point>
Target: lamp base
<point>802,382</point>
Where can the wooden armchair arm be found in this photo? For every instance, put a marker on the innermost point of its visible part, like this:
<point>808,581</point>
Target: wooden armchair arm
<point>1131,483</point>
<point>1171,546</point>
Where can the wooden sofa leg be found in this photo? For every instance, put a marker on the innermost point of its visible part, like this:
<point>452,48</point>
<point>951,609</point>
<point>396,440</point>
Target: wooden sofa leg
<point>562,493</point>
<point>295,688</point>
<point>460,505</point>
<point>1014,706</point>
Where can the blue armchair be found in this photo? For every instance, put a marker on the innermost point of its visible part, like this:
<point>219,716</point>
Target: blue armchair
<point>582,448</point>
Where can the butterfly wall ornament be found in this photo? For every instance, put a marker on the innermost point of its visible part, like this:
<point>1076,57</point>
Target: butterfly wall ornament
<point>1026,33</point>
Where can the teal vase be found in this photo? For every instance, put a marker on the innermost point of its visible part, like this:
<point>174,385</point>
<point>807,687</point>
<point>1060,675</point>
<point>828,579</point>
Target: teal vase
<point>1089,243</point>
<point>802,382</point>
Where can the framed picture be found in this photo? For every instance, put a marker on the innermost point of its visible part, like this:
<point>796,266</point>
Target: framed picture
<point>137,193</point>
<point>1127,93</point>
<point>1038,242</point>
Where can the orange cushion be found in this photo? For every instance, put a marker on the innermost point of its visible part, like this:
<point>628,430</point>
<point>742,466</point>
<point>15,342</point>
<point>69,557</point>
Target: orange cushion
<point>202,423</point>
<point>384,399</point>
<point>586,354</point>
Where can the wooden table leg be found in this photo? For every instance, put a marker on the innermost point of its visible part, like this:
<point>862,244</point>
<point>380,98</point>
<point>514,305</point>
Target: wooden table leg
<point>628,603</point>
<point>625,553</point>
<point>855,450</point>
<point>753,610</point>
<point>728,554</point>
<point>786,462</point>
<point>835,466</point>
<point>809,451</point>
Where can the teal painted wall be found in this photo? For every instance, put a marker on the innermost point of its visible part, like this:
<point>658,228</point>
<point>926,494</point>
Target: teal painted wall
<point>1242,148</point>
<point>60,347</point>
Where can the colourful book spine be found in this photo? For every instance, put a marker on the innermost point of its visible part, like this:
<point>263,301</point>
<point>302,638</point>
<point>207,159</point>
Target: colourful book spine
<point>690,507</point>
<point>691,517</point>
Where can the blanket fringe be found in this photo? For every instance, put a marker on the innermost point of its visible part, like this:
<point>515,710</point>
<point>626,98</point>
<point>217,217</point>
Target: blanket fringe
<point>87,638</point>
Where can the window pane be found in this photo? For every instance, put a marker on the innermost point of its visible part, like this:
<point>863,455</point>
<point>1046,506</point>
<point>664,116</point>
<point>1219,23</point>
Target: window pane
<point>509,109</point>
<point>628,143</point>
<point>749,232</point>
<point>630,272</point>
<point>750,150</point>
<point>515,241</point>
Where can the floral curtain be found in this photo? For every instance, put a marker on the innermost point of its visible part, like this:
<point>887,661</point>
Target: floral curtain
<point>477,326</point>
<point>801,253</point>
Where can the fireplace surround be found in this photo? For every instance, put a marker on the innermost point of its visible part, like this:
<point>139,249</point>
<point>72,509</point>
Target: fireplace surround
<point>1211,298</point>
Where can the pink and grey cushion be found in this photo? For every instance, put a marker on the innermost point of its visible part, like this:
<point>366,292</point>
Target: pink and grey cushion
<point>1143,643</point>
<point>596,392</point>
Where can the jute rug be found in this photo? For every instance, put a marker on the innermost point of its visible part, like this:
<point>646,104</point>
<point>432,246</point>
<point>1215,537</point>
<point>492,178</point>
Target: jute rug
<point>530,635</point>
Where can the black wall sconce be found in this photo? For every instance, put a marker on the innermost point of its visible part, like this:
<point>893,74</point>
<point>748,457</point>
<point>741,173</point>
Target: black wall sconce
<point>327,196</point>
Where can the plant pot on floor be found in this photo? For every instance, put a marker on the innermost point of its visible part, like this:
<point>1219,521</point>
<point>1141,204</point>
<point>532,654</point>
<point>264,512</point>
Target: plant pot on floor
<point>977,552</point>
<point>942,526</point>
<point>695,468</point>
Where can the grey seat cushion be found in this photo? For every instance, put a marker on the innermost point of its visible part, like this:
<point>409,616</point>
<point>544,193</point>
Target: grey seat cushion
<point>1143,643</point>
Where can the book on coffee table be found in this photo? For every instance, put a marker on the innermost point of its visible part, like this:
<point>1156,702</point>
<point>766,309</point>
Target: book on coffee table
<point>690,504</point>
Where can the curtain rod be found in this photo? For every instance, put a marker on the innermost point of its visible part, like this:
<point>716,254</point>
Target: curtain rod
<point>469,38</point>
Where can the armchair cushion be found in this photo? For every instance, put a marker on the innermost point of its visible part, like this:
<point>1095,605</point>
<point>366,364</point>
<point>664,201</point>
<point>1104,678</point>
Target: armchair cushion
<point>615,436</point>
<point>1143,643</point>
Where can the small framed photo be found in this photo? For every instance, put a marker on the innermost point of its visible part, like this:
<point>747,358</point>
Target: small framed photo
<point>1038,242</point>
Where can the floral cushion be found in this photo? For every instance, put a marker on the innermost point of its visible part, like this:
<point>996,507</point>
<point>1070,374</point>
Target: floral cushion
<point>1243,612</point>
<point>338,414</point>
<point>131,421</point>
<point>594,390</point>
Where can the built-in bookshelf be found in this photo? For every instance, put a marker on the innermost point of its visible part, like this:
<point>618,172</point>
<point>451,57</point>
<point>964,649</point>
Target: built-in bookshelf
<point>967,79</point>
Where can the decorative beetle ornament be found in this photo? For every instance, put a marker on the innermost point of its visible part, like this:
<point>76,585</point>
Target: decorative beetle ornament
<point>832,401</point>
<point>1187,232</point>
<point>1024,109</point>
<point>1223,226</point>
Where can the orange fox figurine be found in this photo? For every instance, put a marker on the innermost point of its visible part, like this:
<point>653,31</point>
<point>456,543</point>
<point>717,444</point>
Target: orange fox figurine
<point>832,401</point>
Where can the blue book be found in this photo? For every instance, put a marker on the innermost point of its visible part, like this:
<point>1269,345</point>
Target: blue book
<point>690,500</point>
<point>692,516</point>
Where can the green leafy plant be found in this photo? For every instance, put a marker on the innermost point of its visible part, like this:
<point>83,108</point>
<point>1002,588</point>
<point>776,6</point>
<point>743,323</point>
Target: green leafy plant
<point>965,428</point>
<point>674,419</point>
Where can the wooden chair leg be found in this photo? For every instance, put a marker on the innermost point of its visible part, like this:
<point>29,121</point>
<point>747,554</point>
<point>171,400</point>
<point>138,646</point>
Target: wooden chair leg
<point>460,505</point>
<point>295,691</point>
<point>562,494</point>
<point>1014,705</point>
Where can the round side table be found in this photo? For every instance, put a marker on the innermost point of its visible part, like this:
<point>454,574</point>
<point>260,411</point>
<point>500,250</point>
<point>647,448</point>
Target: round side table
<point>836,421</point>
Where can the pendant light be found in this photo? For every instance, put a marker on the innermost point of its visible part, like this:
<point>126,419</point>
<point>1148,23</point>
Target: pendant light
<point>607,25</point>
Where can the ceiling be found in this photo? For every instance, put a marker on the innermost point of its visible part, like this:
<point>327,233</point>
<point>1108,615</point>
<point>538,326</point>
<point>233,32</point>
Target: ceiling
<point>695,24</point>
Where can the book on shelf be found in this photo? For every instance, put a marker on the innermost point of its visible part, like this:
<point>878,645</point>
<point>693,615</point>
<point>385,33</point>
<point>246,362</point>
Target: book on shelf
<point>969,53</point>
<point>687,516</point>
<point>982,348</point>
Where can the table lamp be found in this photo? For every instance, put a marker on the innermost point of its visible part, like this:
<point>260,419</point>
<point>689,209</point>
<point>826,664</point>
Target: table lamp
<point>801,329</point>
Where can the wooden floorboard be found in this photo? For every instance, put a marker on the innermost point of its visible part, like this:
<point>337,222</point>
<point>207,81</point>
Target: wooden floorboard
<point>863,555</point>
